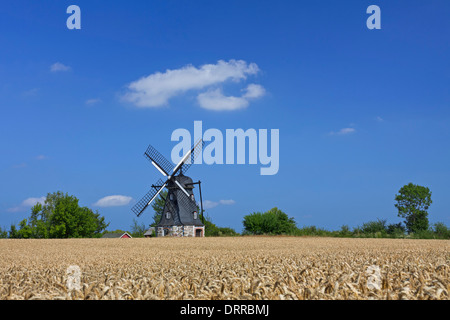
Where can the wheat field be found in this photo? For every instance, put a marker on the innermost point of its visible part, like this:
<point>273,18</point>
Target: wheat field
<point>225,268</point>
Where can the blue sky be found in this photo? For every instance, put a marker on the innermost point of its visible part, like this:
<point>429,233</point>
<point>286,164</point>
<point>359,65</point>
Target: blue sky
<point>360,112</point>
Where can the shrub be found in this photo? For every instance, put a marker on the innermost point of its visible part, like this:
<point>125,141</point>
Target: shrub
<point>312,231</point>
<point>211,230</point>
<point>344,232</point>
<point>441,231</point>
<point>373,227</point>
<point>396,230</point>
<point>273,221</point>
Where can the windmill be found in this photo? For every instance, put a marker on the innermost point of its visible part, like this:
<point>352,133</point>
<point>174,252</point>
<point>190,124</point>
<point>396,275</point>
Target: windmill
<point>180,215</point>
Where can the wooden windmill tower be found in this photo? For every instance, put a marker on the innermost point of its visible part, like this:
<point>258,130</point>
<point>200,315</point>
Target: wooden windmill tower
<point>180,216</point>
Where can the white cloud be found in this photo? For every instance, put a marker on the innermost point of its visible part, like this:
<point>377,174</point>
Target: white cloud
<point>379,119</point>
<point>215,100</point>
<point>227,202</point>
<point>27,203</point>
<point>254,91</point>
<point>58,66</point>
<point>344,131</point>
<point>208,204</point>
<point>113,201</point>
<point>41,157</point>
<point>156,89</point>
<point>91,102</point>
<point>32,201</point>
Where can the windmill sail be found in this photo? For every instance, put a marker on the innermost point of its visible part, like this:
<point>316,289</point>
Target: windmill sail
<point>195,151</point>
<point>191,155</point>
<point>139,207</point>
<point>164,166</point>
<point>158,160</point>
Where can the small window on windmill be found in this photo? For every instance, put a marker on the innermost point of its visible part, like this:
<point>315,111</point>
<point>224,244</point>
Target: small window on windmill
<point>195,215</point>
<point>168,215</point>
<point>171,197</point>
<point>192,197</point>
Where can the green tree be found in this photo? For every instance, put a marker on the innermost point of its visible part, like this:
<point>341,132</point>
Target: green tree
<point>372,227</point>
<point>395,229</point>
<point>114,231</point>
<point>211,230</point>
<point>345,231</point>
<point>441,230</point>
<point>137,230</point>
<point>13,234</point>
<point>25,231</point>
<point>273,221</point>
<point>60,217</point>
<point>413,202</point>
<point>3,233</point>
<point>158,207</point>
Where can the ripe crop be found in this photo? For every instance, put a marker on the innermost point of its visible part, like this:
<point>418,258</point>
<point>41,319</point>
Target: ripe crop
<point>226,268</point>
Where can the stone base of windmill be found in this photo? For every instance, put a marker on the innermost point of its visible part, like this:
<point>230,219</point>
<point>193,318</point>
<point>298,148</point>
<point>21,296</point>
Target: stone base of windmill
<point>181,231</point>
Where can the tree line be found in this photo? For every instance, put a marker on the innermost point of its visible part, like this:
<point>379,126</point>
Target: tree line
<point>412,203</point>
<point>59,217</point>
<point>62,217</point>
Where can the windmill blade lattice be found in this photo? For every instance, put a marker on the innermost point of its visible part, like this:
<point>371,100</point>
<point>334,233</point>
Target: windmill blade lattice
<point>154,156</point>
<point>139,207</point>
<point>197,149</point>
<point>165,167</point>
